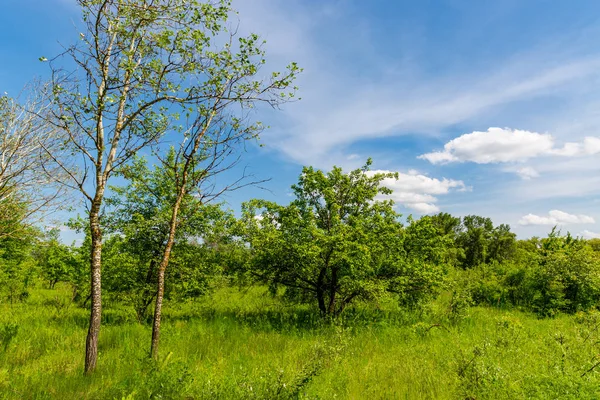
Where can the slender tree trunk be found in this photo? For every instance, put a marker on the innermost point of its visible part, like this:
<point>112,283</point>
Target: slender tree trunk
<point>91,344</point>
<point>321,292</point>
<point>161,275</point>
<point>181,192</point>
<point>147,294</point>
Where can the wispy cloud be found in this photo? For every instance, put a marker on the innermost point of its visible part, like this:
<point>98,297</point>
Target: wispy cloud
<point>341,105</point>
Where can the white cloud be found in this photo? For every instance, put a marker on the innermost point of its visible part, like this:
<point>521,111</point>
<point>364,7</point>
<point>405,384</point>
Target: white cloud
<point>497,145</point>
<point>527,173</point>
<point>591,145</point>
<point>418,192</point>
<point>493,146</point>
<point>424,208</point>
<point>556,217</point>
<point>589,235</point>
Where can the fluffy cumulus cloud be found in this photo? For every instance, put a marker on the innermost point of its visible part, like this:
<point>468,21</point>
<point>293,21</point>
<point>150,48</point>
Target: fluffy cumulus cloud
<point>556,217</point>
<point>493,146</point>
<point>419,192</point>
<point>498,145</point>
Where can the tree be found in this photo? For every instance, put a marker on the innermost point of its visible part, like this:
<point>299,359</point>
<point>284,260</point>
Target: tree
<point>139,224</point>
<point>142,65</point>
<point>215,134</point>
<point>55,259</point>
<point>565,277</point>
<point>336,243</point>
<point>448,229</point>
<point>474,239</point>
<point>503,244</point>
<point>481,242</point>
<point>446,224</point>
<point>17,264</point>
<point>26,192</point>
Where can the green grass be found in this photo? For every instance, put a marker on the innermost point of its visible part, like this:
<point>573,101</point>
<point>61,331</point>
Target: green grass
<point>238,344</point>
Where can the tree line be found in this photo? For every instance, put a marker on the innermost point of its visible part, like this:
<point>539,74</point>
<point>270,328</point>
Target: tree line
<point>337,244</point>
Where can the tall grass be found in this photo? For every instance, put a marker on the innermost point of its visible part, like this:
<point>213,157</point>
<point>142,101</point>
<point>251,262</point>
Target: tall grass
<point>244,344</point>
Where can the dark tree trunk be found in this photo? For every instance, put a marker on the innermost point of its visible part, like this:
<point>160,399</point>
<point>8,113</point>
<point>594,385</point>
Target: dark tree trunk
<point>91,344</point>
<point>147,294</point>
<point>332,291</point>
<point>321,291</point>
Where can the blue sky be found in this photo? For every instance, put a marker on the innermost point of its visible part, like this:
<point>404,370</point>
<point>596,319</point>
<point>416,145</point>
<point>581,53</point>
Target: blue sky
<point>488,108</point>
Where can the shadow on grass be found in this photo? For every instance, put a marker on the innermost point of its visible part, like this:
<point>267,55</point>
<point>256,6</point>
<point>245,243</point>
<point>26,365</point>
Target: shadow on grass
<point>286,320</point>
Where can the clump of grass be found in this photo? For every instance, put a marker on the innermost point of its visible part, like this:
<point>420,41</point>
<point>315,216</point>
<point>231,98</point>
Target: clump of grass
<point>8,331</point>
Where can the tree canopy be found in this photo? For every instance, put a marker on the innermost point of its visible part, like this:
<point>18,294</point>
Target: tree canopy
<point>338,243</point>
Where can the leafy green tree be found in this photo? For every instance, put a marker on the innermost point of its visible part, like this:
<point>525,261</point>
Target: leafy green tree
<point>143,68</point>
<point>480,242</point>
<point>474,239</point>
<point>446,224</point>
<point>502,244</point>
<point>336,243</point>
<point>55,259</point>
<point>428,254</point>
<point>594,244</point>
<point>139,227</point>
<point>567,277</point>
<point>18,267</point>
<point>448,229</point>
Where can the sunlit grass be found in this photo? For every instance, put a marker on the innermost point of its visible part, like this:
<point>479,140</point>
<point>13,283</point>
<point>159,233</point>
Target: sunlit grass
<point>245,344</point>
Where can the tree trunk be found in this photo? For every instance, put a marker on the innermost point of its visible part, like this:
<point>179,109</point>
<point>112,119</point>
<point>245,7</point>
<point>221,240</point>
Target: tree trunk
<point>321,292</point>
<point>91,344</point>
<point>181,192</point>
<point>332,291</point>
<point>147,295</point>
<point>161,276</point>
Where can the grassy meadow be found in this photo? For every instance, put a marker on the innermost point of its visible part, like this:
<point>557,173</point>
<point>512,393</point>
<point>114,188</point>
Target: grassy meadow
<point>244,344</point>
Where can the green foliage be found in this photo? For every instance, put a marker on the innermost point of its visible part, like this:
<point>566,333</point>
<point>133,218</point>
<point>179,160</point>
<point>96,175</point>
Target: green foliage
<point>56,260</point>
<point>481,242</point>
<point>18,267</point>
<point>336,243</point>
<point>139,227</point>
<point>568,276</point>
<point>548,276</point>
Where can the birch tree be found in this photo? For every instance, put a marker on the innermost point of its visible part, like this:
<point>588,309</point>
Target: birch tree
<point>139,66</point>
<point>214,137</point>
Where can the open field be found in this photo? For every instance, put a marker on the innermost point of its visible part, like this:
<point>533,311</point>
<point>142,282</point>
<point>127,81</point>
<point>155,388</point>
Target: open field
<point>248,345</point>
